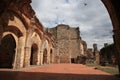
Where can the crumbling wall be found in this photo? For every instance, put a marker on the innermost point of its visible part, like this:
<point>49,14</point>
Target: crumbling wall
<point>19,24</point>
<point>67,42</point>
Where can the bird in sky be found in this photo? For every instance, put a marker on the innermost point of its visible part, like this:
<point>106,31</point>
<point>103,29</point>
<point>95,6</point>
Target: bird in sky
<point>85,4</point>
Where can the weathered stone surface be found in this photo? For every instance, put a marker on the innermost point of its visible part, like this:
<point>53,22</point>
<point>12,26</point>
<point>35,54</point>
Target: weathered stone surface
<point>20,27</point>
<point>96,53</point>
<point>15,20</point>
<point>67,43</point>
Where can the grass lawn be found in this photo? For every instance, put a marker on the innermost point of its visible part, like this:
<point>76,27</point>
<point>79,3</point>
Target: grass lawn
<point>109,69</point>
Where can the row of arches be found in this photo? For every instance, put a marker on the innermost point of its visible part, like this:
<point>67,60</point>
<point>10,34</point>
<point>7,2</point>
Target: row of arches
<point>21,47</point>
<point>8,53</point>
<point>33,57</point>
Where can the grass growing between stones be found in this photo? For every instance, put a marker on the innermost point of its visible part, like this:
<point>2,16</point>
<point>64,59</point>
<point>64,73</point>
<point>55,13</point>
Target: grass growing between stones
<point>109,69</point>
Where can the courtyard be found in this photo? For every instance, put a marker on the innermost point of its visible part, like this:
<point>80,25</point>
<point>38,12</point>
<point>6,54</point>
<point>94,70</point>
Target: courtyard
<point>56,72</point>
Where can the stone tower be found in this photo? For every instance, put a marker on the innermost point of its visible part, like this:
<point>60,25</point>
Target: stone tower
<point>96,53</point>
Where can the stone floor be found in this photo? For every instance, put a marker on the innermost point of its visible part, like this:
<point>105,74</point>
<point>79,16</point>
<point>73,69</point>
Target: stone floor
<point>56,72</point>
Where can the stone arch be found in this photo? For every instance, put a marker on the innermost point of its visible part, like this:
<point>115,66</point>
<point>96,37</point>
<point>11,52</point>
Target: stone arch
<point>13,22</point>
<point>11,18</point>
<point>32,38</point>
<point>45,49</point>
<point>10,33</point>
<point>20,43</point>
<point>35,38</point>
<point>18,24</point>
<point>21,18</point>
<point>45,52</point>
<point>15,30</point>
<point>38,31</point>
<point>114,12</point>
<point>7,51</point>
<point>19,50</point>
<point>34,52</point>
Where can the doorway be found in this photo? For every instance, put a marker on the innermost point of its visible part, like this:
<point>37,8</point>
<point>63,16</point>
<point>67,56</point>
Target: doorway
<point>51,56</point>
<point>7,51</point>
<point>34,52</point>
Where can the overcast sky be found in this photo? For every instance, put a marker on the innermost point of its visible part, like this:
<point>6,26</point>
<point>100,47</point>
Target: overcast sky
<point>89,15</point>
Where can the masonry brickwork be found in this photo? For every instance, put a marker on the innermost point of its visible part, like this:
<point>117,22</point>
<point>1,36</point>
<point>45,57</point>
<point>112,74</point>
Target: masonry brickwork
<point>68,43</point>
<point>23,41</point>
<point>26,37</point>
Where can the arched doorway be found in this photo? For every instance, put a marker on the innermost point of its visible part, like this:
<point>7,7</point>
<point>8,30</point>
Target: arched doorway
<point>51,56</point>
<point>7,51</point>
<point>45,56</point>
<point>34,52</point>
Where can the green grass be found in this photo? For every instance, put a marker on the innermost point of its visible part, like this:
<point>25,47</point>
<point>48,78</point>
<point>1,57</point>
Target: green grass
<point>109,69</point>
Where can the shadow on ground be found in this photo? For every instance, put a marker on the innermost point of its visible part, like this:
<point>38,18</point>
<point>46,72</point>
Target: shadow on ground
<point>19,75</point>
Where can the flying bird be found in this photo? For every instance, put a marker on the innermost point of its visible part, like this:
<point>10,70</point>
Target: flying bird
<point>85,4</point>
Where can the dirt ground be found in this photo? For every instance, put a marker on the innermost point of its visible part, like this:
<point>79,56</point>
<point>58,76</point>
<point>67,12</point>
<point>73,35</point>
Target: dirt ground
<point>56,72</point>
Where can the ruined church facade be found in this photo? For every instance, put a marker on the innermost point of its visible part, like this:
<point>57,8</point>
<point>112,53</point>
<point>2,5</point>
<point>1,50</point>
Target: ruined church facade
<point>23,41</point>
<point>68,43</point>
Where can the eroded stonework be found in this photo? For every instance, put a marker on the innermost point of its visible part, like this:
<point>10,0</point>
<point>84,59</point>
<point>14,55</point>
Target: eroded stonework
<point>16,27</point>
<point>68,43</point>
<point>23,41</point>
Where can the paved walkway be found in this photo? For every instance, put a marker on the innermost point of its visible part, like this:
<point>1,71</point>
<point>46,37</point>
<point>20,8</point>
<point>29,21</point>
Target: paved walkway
<point>56,72</point>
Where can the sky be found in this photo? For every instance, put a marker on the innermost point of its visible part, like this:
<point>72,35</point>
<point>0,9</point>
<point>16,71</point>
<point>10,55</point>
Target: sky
<point>90,16</point>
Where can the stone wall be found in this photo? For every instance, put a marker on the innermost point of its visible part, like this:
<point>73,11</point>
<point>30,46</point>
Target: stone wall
<point>22,36</point>
<point>67,42</point>
<point>96,53</point>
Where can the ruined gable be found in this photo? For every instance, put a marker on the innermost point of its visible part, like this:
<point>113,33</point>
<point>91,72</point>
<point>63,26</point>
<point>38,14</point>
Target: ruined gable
<point>67,42</point>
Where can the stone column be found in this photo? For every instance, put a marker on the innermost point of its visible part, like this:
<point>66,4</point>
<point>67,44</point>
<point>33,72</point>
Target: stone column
<point>28,42</point>
<point>20,53</point>
<point>41,57</point>
<point>116,37</point>
<point>47,56</point>
<point>96,54</point>
<point>38,56</point>
<point>53,56</point>
<point>27,56</point>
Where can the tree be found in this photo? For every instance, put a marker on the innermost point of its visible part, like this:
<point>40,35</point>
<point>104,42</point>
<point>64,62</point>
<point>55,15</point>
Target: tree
<point>108,54</point>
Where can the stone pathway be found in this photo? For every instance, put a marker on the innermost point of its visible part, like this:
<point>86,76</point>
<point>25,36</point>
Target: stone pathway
<point>56,72</point>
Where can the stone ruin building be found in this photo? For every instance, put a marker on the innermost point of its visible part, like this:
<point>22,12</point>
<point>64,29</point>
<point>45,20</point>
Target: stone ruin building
<point>69,47</point>
<point>23,38</point>
<point>93,55</point>
<point>23,41</point>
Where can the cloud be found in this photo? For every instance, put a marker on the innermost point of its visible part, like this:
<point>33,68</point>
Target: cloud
<point>91,16</point>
